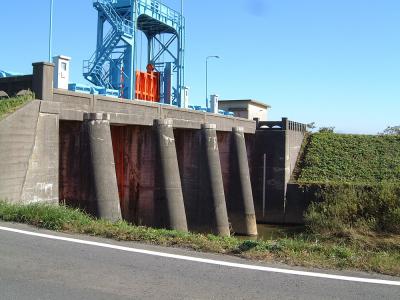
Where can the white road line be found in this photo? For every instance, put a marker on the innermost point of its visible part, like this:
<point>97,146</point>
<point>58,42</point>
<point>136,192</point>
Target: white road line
<point>203,260</point>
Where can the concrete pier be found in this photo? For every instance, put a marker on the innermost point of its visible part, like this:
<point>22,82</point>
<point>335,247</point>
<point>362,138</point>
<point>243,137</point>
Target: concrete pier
<point>214,179</point>
<point>242,212</point>
<point>171,187</point>
<point>103,166</point>
<point>42,82</point>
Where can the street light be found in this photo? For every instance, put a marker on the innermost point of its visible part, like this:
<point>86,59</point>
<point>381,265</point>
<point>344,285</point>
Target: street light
<point>51,29</point>
<point>207,58</point>
<point>182,8</point>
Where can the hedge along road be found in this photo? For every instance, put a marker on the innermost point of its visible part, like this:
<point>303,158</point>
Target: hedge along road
<point>41,264</point>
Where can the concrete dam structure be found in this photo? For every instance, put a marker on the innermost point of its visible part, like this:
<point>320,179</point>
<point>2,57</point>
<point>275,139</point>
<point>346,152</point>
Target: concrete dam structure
<point>150,164</point>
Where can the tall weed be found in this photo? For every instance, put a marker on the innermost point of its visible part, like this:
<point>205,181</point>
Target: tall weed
<point>345,207</point>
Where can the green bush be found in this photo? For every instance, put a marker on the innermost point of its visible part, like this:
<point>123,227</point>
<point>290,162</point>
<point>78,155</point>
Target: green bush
<point>342,207</point>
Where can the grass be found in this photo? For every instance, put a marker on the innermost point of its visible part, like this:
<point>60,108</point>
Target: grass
<point>342,207</point>
<point>341,158</point>
<point>378,253</point>
<point>10,105</point>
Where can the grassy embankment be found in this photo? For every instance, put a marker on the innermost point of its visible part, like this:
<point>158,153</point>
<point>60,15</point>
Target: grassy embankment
<point>301,249</point>
<point>357,183</point>
<point>340,158</point>
<point>8,106</point>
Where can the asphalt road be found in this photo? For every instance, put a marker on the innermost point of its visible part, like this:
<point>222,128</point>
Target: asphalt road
<point>39,268</point>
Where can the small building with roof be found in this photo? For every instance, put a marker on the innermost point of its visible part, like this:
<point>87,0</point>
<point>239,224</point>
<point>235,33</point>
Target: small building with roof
<point>246,108</point>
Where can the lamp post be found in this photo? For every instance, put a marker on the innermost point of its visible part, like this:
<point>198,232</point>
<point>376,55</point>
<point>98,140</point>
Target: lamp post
<point>207,58</point>
<point>181,7</point>
<point>51,29</point>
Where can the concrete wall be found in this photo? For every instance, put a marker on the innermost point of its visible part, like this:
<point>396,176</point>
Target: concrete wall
<point>142,113</point>
<point>76,188</point>
<point>248,109</point>
<point>277,146</point>
<point>298,199</point>
<point>295,137</point>
<point>138,182</point>
<point>256,111</point>
<point>40,82</point>
<point>137,170</point>
<point>192,176</point>
<point>29,155</point>
<point>136,167</point>
<point>194,181</point>
<point>230,172</point>
<point>12,85</point>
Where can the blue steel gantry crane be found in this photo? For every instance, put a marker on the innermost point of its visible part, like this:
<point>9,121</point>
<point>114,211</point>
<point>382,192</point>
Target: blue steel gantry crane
<point>114,64</point>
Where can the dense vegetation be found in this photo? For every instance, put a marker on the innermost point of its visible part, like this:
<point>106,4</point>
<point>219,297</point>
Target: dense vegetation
<point>342,208</point>
<point>331,157</point>
<point>10,105</point>
<point>296,249</point>
<point>356,183</point>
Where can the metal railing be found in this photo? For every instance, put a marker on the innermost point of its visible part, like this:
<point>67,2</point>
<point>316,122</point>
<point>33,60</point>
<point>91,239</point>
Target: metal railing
<point>90,63</point>
<point>122,25</point>
<point>159,10</point>
<point>284,124</point>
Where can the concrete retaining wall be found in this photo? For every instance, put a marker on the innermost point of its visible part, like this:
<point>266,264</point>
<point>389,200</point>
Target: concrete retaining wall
<point>138,173</point>
<point>198,207</point>
<point>76,188</point>
<point>277,146</point>
<point>29,155</point>
<point>142,113</point>
<point>298,199</point>
<point>135,160</point>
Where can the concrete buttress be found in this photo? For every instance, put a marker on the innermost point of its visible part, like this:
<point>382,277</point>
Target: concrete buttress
<point>42,83</point>
<point>171,187</point>
<point>243,216</point>
<point>103,166</point>
<point>214,178</point>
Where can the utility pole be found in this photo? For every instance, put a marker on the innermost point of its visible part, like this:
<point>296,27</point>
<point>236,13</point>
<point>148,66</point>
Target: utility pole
<point>51,30</point>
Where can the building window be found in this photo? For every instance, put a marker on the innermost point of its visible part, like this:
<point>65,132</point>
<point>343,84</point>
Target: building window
<point>64,66</point>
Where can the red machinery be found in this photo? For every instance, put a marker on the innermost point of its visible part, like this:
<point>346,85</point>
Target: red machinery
<point>148,85</point>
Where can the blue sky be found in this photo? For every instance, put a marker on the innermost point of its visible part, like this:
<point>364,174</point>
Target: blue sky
<point>333,62</point>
